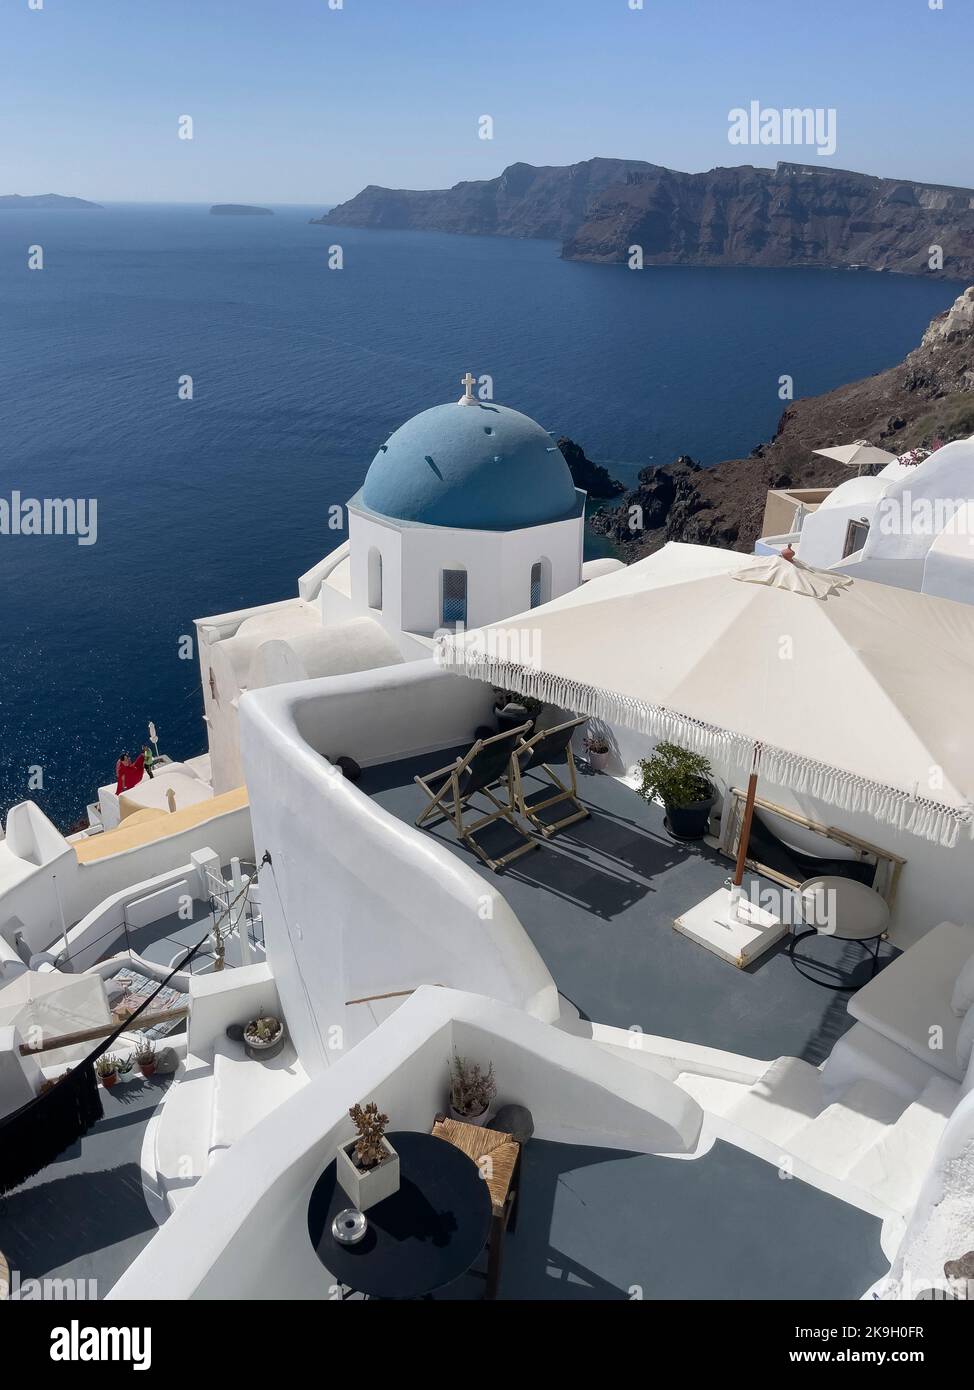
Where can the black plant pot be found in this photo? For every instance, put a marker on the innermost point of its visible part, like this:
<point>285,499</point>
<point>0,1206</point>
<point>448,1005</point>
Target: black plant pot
<point>690,821</point>
<point>512,717</point>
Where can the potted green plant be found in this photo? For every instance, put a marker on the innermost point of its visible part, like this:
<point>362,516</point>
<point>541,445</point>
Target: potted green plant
<point>107,1069</point>
<point>145,1056</point>
<point>472,1090</point>
<point>263,1036</point>
<point>367,1167</point>
<point>681,780</point>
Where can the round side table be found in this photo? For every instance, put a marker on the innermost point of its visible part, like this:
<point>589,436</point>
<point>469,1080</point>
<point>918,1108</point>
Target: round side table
<point>847,910</point>
<point>422,1237</point>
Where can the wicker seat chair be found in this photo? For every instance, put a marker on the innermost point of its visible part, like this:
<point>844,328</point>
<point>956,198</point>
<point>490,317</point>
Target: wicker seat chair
<point>498,1156</point>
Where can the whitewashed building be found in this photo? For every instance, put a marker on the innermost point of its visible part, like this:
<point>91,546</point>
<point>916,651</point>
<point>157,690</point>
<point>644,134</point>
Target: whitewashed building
<point>909,525</point>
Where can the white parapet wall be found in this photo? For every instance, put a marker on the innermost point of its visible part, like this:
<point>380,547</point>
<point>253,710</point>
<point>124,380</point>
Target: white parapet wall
<point>134,906</point>
<point>355,903</point>
<point>228,996</point>
<point>243,1231</point>
<point>43,887</point>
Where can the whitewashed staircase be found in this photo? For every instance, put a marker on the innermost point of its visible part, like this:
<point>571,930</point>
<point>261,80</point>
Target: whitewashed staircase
<point>866,1145</point>
<point>210,1104</point>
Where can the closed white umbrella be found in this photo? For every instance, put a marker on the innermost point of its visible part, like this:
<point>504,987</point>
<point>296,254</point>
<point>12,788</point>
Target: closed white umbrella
<point>857,693</point>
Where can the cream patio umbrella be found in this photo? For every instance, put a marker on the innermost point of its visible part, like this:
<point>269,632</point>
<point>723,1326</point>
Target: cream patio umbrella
<point>857,693</point>
<point>859,454</point>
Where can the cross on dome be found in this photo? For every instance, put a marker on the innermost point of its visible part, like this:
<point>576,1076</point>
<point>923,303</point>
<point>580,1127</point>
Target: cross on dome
<point>468,382</point>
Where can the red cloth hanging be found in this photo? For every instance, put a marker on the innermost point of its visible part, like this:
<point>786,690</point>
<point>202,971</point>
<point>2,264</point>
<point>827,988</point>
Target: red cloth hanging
<point>129,774</point>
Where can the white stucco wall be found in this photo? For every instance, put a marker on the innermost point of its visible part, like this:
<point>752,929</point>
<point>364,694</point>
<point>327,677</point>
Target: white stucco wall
<point>823,531</point>
<point>948,570</point>
<point>498,565</point>
<point>907,508</point>
<point>355,902</point>
<point>30,903</point>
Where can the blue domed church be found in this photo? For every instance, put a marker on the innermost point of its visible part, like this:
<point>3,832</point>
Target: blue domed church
<point>468,513</point>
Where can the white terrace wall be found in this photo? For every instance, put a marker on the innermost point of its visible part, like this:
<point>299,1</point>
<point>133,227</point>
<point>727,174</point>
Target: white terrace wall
<point>31,904</point>
<point>243,1231</point>
<point>135,906</point>
<point>355,903</point>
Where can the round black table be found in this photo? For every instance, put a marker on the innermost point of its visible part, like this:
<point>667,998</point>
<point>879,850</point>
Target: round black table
<point>422,1237</point>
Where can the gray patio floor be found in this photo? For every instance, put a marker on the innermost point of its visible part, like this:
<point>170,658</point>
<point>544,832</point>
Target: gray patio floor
<point>601,1224</point>
<point>599,900</point>
<point>84,1217</point>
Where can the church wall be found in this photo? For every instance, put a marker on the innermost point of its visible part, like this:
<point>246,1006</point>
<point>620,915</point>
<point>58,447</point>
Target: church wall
<point>498,565</point>
<point>364,533</point>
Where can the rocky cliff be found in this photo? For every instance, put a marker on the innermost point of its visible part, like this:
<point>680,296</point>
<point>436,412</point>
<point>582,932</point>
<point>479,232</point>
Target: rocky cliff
<point>591,477</point>
<point>927,398</point>
<point>792,215</point>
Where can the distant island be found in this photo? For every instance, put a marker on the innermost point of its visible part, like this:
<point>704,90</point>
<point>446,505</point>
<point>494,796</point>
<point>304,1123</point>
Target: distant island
<point>792,215</point>
<point>10,201</point>
<point>239,210</point>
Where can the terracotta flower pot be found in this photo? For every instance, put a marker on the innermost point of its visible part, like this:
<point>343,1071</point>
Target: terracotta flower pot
<point>147,1068</point>
<point>110,1080</point>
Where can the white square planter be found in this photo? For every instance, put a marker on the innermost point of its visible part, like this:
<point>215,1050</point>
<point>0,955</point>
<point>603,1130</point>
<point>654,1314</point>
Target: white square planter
<point>366,1186</point>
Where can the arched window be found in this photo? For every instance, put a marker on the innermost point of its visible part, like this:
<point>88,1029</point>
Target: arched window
<point>540,582</point>
<point>453,597</point>
<point>375,577</point>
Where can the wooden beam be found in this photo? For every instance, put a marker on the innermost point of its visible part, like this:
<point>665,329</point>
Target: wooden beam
<point>90,1034</point>
<point>394,994</point>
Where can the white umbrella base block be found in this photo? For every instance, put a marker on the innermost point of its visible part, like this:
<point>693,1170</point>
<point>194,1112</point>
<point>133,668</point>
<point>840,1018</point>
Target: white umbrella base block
<point>739,943</point>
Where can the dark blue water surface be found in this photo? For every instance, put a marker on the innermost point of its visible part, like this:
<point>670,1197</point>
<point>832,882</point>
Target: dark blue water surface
<point>300,372</point>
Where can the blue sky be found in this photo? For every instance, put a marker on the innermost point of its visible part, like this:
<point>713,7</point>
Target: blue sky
<point>294,101</point>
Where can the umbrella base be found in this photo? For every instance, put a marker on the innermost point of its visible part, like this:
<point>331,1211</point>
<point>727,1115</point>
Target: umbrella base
<point>739,942</point>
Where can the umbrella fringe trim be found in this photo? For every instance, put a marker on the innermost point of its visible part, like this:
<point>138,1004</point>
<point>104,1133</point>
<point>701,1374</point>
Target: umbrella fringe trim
<point>931,820</point>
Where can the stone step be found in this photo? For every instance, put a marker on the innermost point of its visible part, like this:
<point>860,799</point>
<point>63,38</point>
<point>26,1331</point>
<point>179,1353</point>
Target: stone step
<point>847,1129</point>
<point>894,1167</point>
<point>782,1102</point>
<point>182,1131</point>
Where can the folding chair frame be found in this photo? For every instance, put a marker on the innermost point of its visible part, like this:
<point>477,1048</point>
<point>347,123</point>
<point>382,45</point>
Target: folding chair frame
<point>569,793</point>
<point>450,802</point>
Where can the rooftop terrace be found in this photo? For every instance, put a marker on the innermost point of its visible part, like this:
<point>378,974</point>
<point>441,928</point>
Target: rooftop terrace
<point>599,900</point>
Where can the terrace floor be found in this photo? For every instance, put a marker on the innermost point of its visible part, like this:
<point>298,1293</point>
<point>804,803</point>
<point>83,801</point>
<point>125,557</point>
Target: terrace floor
<point>603,1224</point>
<point>84,1217</point>
<point>599,900</point>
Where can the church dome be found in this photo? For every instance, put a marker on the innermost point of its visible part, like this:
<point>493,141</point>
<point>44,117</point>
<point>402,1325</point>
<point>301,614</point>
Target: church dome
<point>475,466</point>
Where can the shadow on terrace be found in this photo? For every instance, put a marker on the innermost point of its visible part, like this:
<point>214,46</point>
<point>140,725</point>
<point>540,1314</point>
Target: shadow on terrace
<point>599,899</point>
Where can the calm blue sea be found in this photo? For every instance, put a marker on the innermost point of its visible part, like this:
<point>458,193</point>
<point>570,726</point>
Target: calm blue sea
<point>300,372</point>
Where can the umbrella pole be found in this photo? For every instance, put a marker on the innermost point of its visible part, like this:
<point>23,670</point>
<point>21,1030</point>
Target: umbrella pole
<point>742,845</point>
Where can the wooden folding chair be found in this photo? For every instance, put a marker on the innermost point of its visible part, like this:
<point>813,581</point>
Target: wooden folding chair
<point>498,1157</point>
<point>538,752</point>
<point>488,764</point>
